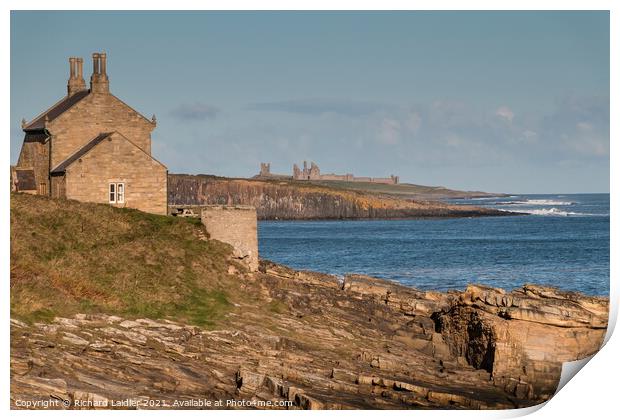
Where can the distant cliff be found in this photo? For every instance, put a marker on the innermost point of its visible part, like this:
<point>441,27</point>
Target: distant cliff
<point>276,199</point>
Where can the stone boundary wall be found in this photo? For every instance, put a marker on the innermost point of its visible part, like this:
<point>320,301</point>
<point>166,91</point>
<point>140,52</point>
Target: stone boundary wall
<point>236,226</point>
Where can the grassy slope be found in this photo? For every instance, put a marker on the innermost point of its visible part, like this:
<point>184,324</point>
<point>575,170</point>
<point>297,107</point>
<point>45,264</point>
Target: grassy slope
<point>69,257</point>
<point>365,195</point>
<point>411,191</point>
<point>402,190</point>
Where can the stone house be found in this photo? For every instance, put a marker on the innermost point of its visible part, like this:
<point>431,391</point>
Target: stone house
<point>91,146</point>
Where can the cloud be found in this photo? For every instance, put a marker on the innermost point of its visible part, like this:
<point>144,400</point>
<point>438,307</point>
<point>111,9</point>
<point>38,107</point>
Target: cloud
<point>579,127</point>
<point>449,140</point>
<point>505,113</point>
<point>413,122</point>
<point>584,126</point>
<point>449,113</point>
<point>529,136</point>
<point>452,133</point>
<point>316,106</point>
<point>389,131</point>
<point>195,112</point>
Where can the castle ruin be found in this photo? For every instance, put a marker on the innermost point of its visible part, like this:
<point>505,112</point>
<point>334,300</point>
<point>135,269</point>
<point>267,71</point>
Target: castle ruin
<point>313,173</point>
<point>265,169</point>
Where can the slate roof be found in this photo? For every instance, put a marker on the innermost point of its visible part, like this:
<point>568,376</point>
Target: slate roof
<point>81,152</point>
<point>56,110</point>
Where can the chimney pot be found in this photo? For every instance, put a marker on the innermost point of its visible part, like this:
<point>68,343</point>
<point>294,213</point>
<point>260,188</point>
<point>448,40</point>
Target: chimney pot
<point>80,72</point>
<point>102,68</point>
<point>95,63</point>
<point>76,81</point>
<point>99,79</point>
<point>71,67</point>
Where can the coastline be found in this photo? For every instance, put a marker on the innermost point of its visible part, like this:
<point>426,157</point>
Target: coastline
<point>185,319</point>
<point>297,200</point>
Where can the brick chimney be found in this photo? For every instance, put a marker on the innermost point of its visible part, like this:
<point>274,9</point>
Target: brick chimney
<point>76,79</point>
<point>99,80</point>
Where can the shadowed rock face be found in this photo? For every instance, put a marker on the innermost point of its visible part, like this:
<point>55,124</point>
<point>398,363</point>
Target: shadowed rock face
<point>522,338</point>
<point>324,343</point>
<point>290,200</point>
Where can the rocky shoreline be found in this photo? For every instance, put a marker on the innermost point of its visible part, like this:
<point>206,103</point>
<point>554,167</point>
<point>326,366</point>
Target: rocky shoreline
<point>313,341</point>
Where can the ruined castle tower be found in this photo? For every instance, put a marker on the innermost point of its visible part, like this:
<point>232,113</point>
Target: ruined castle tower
<point>265,169</point>
<point>315,172</point>
<point>296,172</point>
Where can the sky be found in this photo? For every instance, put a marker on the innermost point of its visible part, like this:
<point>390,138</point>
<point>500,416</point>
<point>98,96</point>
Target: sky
<point>513,102</point>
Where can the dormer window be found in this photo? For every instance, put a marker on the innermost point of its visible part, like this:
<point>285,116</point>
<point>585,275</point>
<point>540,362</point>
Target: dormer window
<point>117,193</point>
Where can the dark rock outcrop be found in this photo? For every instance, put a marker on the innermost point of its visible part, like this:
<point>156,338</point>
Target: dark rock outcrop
<point>523,337</point>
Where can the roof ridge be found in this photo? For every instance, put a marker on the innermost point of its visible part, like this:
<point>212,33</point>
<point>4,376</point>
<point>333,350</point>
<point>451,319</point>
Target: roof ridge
<point>46,111</point>
<point>78,96</point>
<point>62,166</point>
<point>81,151</point>
<point>132,108</point>
<point>138,147</point>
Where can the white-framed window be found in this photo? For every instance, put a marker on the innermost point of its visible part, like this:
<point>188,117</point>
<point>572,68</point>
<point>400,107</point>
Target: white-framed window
<point>120,192</point>
<point>116,192</point>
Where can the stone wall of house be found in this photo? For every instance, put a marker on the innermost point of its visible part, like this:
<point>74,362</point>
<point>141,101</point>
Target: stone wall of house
<point>236,226</point>
<point>58,186</point>
<point>95,114</point>
<point>117,160</point>
<point>35,155</point>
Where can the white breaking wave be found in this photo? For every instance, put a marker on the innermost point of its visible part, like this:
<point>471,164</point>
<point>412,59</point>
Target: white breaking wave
<point>553,212</point>
<point>539,203</point>
<point>550,212</point>
<point>549,203</point>
<point>484,198</point>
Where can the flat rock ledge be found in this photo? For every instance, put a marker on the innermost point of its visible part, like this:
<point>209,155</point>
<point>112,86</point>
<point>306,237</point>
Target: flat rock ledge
<point>329,343</point>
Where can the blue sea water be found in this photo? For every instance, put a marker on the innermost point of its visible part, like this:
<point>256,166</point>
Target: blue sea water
<point>562,242</point>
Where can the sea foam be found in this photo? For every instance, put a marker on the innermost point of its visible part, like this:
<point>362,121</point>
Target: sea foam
<point>550,212</point>
<point>539,202</point>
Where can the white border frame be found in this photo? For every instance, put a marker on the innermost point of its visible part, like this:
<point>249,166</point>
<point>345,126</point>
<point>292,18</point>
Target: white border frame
<point>591,395</point>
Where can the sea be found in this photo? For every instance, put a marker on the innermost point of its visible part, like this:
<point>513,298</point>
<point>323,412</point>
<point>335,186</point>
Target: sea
<point>561,241</point>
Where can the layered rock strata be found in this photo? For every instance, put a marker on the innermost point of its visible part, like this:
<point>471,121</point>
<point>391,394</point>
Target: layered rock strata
<point>313,341</point>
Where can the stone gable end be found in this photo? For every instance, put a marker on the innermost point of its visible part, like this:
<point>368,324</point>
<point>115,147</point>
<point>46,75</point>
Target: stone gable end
<point>95,114</point>
<point>117,160</point>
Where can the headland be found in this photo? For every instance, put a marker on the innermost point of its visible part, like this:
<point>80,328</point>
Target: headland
<point>288,199</point>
